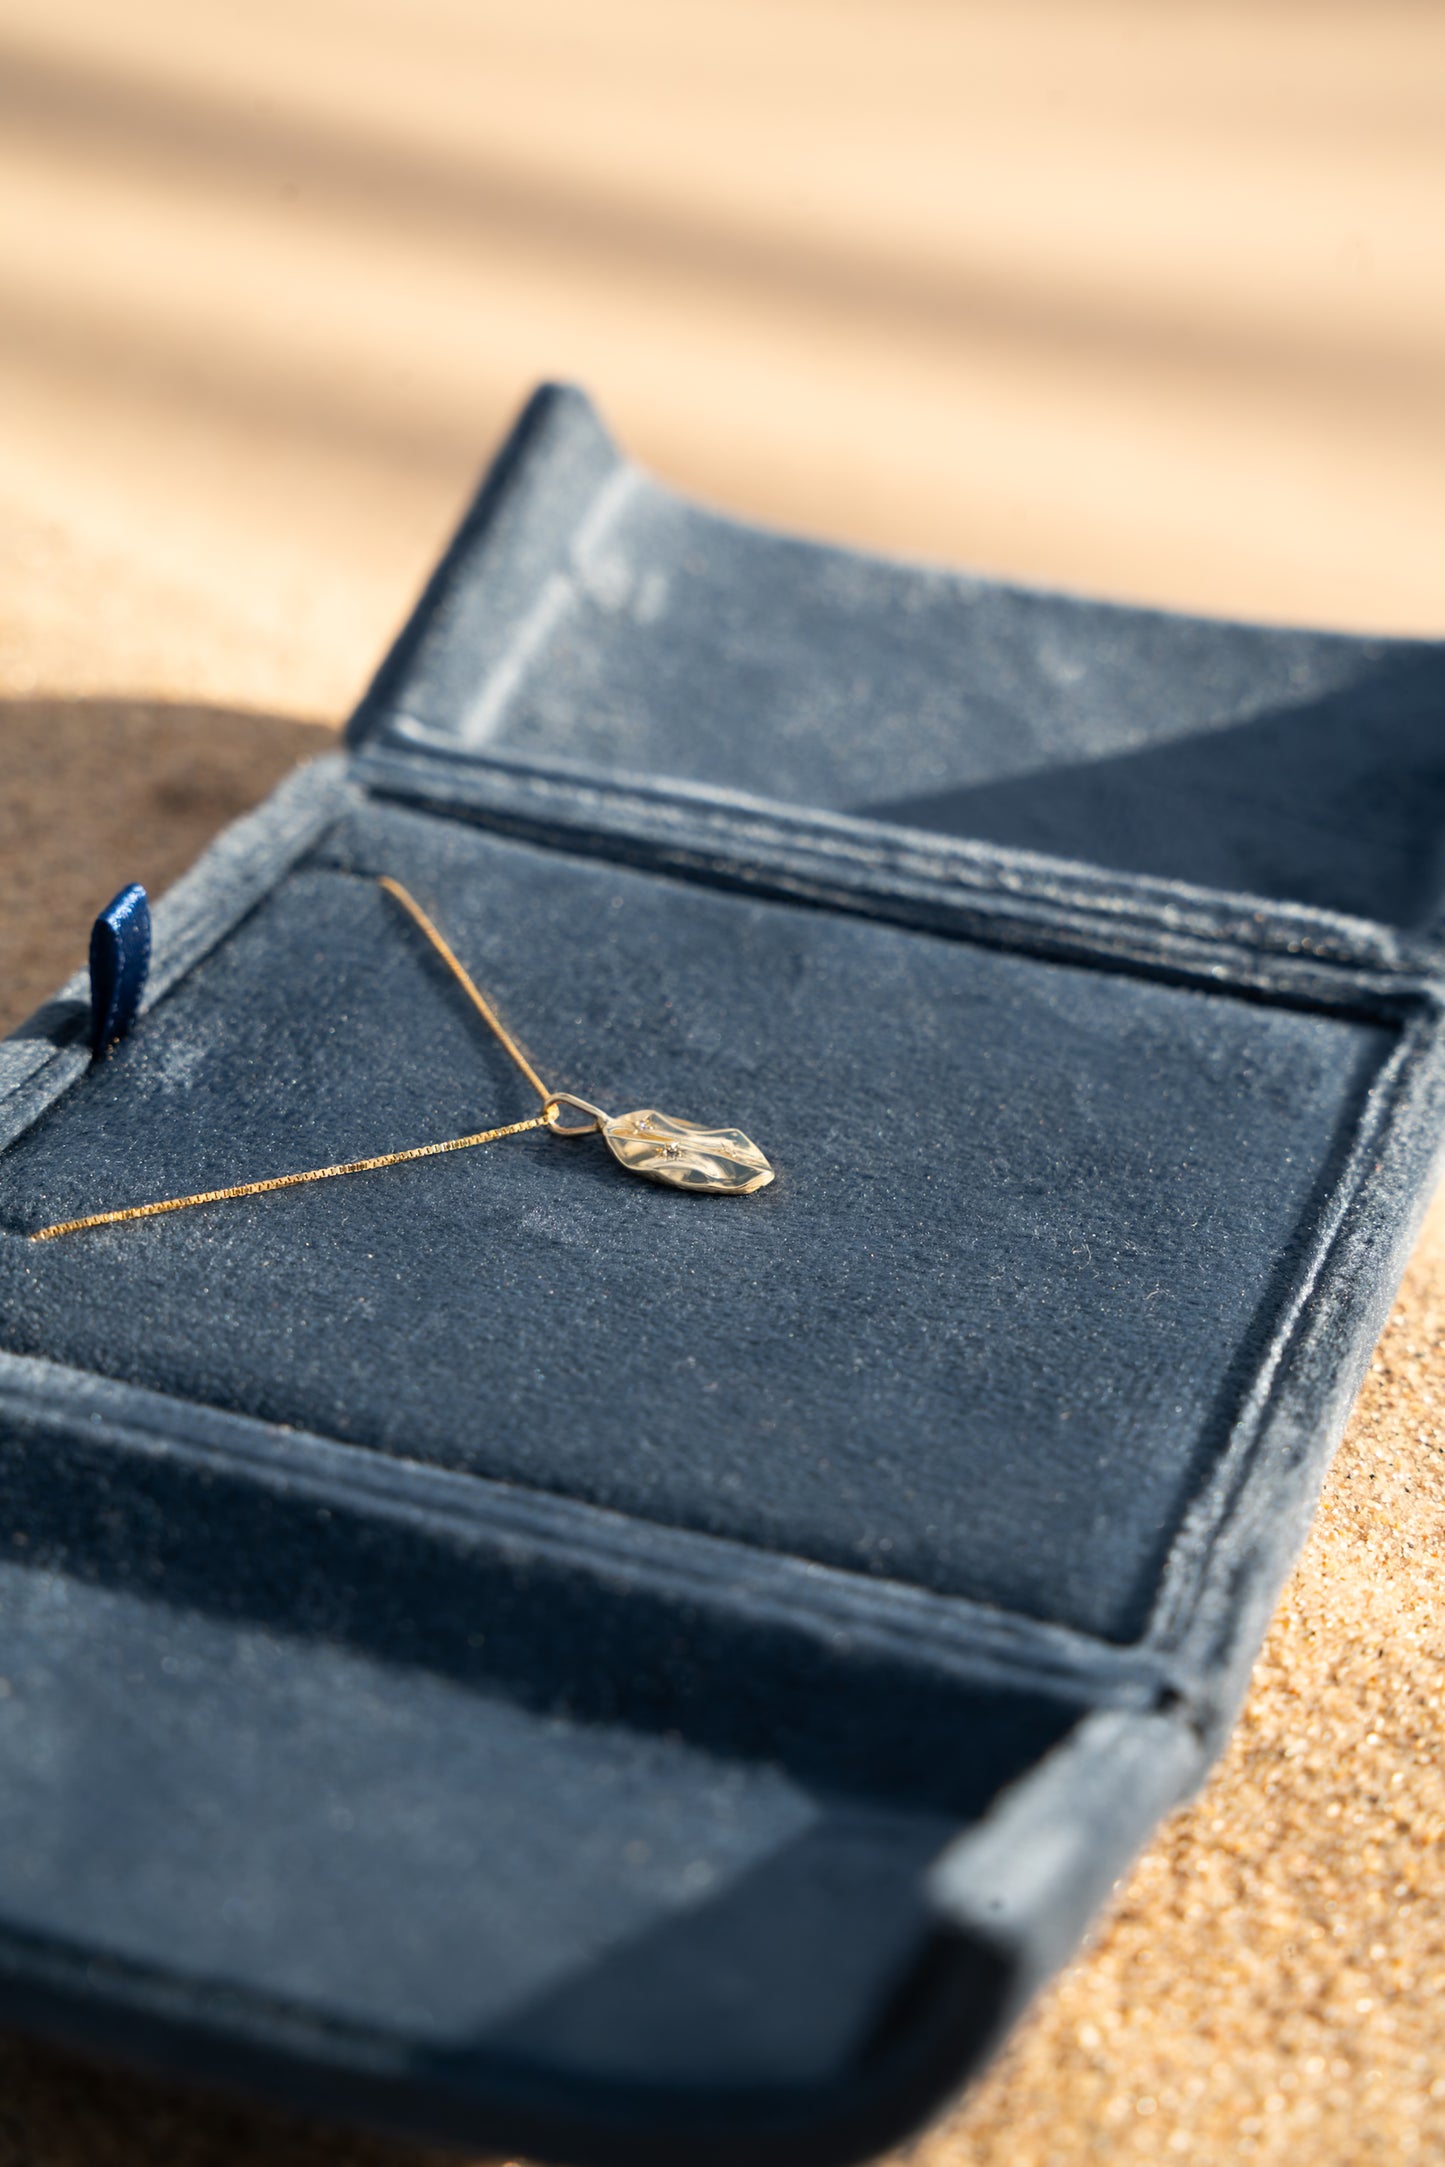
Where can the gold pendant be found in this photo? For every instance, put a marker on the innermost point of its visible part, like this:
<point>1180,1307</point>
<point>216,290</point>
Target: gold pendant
<point>684,1154</point>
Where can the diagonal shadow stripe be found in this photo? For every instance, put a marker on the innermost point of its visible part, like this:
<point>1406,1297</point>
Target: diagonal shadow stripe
<point>139,125</point>
<point>1337,801</point>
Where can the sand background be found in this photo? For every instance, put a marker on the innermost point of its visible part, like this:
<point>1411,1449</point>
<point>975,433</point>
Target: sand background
<point>1148,301</point>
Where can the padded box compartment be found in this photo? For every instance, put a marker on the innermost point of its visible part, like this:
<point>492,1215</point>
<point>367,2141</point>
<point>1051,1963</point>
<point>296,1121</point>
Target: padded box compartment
<point>954,1343</point>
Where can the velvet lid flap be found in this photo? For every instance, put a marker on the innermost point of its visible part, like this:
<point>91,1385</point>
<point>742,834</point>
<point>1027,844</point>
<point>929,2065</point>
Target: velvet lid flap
<point>588,616</point>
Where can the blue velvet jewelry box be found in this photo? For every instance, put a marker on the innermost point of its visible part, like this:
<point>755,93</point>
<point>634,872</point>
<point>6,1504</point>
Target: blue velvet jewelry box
<point>508,1652</point>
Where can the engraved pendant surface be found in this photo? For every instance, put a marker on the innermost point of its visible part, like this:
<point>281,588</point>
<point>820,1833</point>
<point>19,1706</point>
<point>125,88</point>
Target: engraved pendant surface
<point>716,1162</point>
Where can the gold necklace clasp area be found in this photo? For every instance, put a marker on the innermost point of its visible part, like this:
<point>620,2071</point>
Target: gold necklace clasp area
<point>660,1147</point>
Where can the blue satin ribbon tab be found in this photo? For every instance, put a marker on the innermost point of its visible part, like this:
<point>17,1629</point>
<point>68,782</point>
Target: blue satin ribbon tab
<point>120,957</point>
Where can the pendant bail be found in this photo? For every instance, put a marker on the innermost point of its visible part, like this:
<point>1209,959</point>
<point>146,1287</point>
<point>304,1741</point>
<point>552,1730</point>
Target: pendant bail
<point>558,1099</point>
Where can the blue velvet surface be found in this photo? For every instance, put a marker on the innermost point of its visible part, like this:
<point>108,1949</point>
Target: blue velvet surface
<point>490,1642</point>
<point>986,1332</point>
<point>588,614</point>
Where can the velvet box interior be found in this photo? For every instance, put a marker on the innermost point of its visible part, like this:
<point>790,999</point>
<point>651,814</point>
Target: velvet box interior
<point>507,1650</point>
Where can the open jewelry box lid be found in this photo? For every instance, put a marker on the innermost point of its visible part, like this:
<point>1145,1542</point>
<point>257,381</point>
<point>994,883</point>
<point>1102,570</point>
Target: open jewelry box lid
<point>524,1657</point>
<point>587,618</point>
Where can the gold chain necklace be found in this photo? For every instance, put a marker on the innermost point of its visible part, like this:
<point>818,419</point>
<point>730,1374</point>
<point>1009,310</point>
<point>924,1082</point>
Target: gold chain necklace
<point>684,1154</point>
